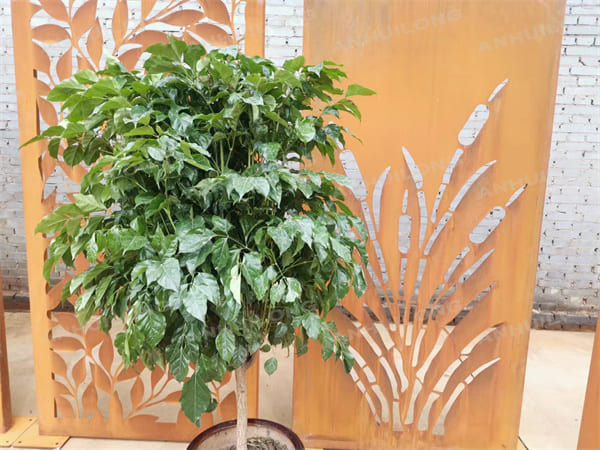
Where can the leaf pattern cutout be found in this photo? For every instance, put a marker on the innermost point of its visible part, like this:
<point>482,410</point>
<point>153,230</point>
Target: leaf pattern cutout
<point>86,367</point>
<point>414,363</point>
<point>83,19</point>
<point>94,43</point>
<point>120,21</point>
<point>55,9</point>
<point>50,33</point>
<point>216,10</point>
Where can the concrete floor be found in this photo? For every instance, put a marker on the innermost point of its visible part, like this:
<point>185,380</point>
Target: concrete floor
<point>555,382</point>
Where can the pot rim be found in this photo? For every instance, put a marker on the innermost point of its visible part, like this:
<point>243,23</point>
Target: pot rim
<point>215,429</point>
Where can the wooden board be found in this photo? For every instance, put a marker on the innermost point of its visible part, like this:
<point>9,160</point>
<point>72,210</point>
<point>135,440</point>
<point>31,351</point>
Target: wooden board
<point>82,387</point>
<point>453,209</point>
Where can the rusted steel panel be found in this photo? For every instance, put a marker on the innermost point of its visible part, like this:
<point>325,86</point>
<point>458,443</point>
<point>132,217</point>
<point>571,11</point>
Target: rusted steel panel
<point>82,387</point>
<point>454,212</point>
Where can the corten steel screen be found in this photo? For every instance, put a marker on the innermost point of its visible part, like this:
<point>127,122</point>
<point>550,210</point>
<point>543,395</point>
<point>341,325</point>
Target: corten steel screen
<point>82,387</point>
<point>450,180</point>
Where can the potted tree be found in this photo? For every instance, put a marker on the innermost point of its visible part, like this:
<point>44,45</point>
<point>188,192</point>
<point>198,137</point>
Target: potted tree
<point>204,234</point>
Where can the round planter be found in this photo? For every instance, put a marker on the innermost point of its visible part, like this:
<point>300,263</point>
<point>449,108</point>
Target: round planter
<point>223,436</point>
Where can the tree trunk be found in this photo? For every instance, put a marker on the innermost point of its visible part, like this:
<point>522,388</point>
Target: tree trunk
<point>241,395</point>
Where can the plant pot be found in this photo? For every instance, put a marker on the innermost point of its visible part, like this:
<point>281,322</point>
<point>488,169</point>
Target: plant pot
<point>262,434</point>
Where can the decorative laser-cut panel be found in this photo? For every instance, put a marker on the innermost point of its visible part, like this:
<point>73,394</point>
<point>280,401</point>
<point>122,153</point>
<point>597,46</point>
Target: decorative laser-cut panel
<point>81,384</point>
<point>450,181</point>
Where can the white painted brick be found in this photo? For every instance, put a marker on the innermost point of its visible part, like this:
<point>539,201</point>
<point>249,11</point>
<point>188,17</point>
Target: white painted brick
<point>581,51</point>
<point>586,10</point>
<point>589,81</point>
<point>589,20</point>
<point>581,30</point>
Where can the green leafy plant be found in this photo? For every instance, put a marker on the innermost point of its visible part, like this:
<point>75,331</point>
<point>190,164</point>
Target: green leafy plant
<point>204,233</point>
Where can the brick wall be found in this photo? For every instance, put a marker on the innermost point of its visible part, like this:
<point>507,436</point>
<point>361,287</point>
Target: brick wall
<point>12,239</point>
<point>568,277</point>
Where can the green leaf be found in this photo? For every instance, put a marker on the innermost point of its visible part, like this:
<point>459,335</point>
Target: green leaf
<point>347,359</point>
<point>255,99</point>
<point>294,290</point>
<point>194,240</point>
<point>195,398</point>
<point>327,342</point>
<point>252,270</point>
<point>134,243</point>
<point>86,76</point>
<point>32,140</point>
<point>357,89</point>
<point>64,90</point>
<point>53,147</point>
<point>51,224</point>
<point>153,324</point>
<point>240,355</point>
<point>162,49</point>
<point>221,224</point>
<point>277,292</point>
<point>225,343</point>
<point>53,131</point>
<point>73,155</point>
<point>277,118</point>
<point>359,283</point>
<point>85,306</point>
<point>271,365</point>
<point>268,150</point>
<point>294,64</point>
<point>305,226</point>
<point>195,304</point>
<point>312,324</point>
<point>166,273</point>
<point>141,131</point>
<point>341,250</point>
<point>316,69</point>
<point>332,111</point>
<point>204,289</point>
<point>305,130</point>
<point>182,123</point>
<point>193,54</point>
<point>157,153</point>
<point>179,365</point>
<point>186,146</point>
<point>88,203</point>
<point>243,185</point>
<point>47,268</point>
<point>73,130</point>
<point>235,285</point>
<point>105,87</point>
<point>281,238</point>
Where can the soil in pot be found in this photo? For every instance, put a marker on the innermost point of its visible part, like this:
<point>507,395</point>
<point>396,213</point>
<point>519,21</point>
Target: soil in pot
<point>262,435</point>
